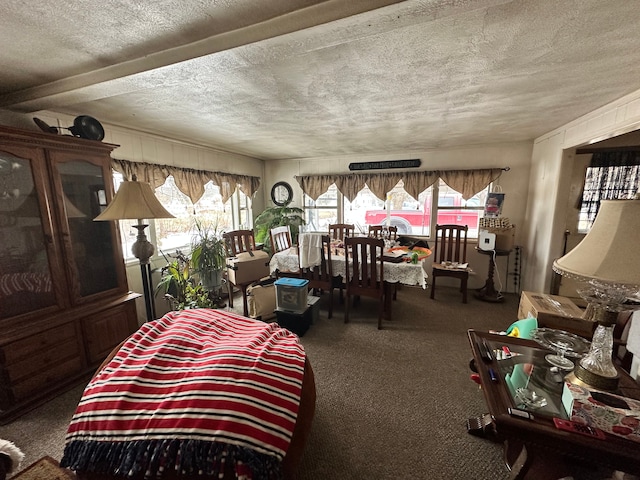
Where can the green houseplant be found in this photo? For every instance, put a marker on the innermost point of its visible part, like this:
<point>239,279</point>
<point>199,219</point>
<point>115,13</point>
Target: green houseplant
<point>208,255</point>
<point>180,287</point>
<point>273,217</point>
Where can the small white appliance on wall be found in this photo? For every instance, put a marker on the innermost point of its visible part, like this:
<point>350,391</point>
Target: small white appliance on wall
<point>486,240</point>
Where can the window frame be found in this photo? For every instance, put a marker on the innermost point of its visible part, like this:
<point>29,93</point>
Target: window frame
<point>617,188</point>
<point>152,233</point>
<point>435,207</point>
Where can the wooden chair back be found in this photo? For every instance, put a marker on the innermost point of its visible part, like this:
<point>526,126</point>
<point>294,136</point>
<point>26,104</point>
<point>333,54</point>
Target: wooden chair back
<point>450,246</point>
<point>280,239</point>
<point>383,231</point>
<point>321,276</point>
<point>338,231</point>
<point>450,243</point>
<point>239,241</point>
<point>364,271</point>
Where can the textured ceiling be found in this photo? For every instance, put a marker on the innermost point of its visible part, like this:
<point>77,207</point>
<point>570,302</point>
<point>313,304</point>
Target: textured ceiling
<point>308,78</point>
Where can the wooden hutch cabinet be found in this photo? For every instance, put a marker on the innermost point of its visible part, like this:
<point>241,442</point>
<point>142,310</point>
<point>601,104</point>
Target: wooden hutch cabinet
<point>64,300</point>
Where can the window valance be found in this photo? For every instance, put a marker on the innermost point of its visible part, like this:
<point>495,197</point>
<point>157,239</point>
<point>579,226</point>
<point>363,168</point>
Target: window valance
<point>467,182</point>
<point>189,181</point>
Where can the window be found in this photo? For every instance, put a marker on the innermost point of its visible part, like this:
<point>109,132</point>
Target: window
<point>365,210</point>
<point>323,212</point>
<point>411,217</point>
<point>610,176</point>
<point>453,209</point>
<point>169,234</point>
<point>245,220</point>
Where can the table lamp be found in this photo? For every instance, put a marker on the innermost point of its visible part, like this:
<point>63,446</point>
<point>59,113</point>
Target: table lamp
<point>135,200</point>
<point>607,261</point>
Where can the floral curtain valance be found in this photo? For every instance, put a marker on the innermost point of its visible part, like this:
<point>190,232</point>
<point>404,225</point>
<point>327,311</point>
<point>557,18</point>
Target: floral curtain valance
<point>189,181</point>
<point>467,182</point>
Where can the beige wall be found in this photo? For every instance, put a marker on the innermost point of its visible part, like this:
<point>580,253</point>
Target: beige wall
<point>514,183</point>
<point>552,164</point>
<point>537,186</point>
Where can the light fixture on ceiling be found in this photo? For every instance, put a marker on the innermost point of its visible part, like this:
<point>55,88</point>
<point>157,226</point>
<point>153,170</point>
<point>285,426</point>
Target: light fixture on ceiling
<point>607,261</point>
<point>136,201</point>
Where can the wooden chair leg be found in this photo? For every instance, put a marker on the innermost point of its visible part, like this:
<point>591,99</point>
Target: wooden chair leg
<point>433,286</point>
<point>330,302</point>
<point>245,304</point>
<point>230,289</point>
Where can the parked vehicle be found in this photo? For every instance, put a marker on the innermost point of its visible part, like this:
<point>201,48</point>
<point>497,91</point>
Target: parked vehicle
<point>417,221</point>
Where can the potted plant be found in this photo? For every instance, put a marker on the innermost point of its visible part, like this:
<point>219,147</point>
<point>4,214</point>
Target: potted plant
<point>273,217</point>
<point>179,286</point>
<point>208,255</point>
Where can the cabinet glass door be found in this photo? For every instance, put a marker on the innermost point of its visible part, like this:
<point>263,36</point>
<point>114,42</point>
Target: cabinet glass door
<point>92,243</point>
<point>25,275</point>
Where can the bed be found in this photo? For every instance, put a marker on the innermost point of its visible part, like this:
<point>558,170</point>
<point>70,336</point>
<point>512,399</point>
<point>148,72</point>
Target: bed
<point>196,394</point>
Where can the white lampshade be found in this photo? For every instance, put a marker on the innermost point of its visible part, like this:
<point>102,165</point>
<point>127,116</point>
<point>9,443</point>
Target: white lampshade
<point>610,251</point>
<point>134,200</point>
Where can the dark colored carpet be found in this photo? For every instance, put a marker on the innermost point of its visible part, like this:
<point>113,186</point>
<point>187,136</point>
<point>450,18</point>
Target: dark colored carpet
<point>391,403</point>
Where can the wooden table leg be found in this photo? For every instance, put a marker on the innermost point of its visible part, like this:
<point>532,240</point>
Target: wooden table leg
<point>489,292</point>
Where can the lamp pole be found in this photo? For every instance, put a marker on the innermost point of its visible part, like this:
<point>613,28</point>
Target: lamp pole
<point>136,201</point>
<point>142,249</point>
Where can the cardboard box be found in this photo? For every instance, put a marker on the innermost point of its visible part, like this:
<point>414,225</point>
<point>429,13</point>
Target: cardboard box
<point>554,311</point>
<point>602,410</point>
<point>505,238</point>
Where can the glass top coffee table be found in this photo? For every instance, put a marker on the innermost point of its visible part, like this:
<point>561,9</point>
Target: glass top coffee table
<point>528,382</point>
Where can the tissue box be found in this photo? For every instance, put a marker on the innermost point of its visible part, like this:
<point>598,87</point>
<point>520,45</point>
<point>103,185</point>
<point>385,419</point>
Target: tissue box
<point>611,413</point>
<point>291,294</point>
<point>554,311</point>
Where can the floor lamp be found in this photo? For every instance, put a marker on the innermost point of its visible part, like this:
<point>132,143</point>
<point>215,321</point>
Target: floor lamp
<point>607,261</point>
<point>135,201</point>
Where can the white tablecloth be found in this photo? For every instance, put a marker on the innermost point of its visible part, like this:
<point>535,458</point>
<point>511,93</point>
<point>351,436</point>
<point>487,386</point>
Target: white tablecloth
<point>405,273</point>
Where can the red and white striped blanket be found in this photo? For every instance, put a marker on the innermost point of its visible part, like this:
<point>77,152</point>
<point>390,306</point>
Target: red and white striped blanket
<point>191,391</point>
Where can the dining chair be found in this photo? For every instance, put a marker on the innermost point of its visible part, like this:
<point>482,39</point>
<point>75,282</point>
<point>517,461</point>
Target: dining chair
<point>364,272</point>
<point>321,276</point>
<point>338,231</point>
<point>450,250</point>
<point>386,233</point>
<point>280,239</point>
<point>383,231</point>
<point>240,241</point>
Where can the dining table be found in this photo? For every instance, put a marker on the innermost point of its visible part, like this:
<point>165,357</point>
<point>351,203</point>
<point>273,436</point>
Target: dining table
<point>396,271</point>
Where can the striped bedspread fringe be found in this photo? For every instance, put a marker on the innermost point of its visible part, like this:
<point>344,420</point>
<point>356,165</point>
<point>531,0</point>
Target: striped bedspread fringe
<point>152,459</point>
<point>197,392</point>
